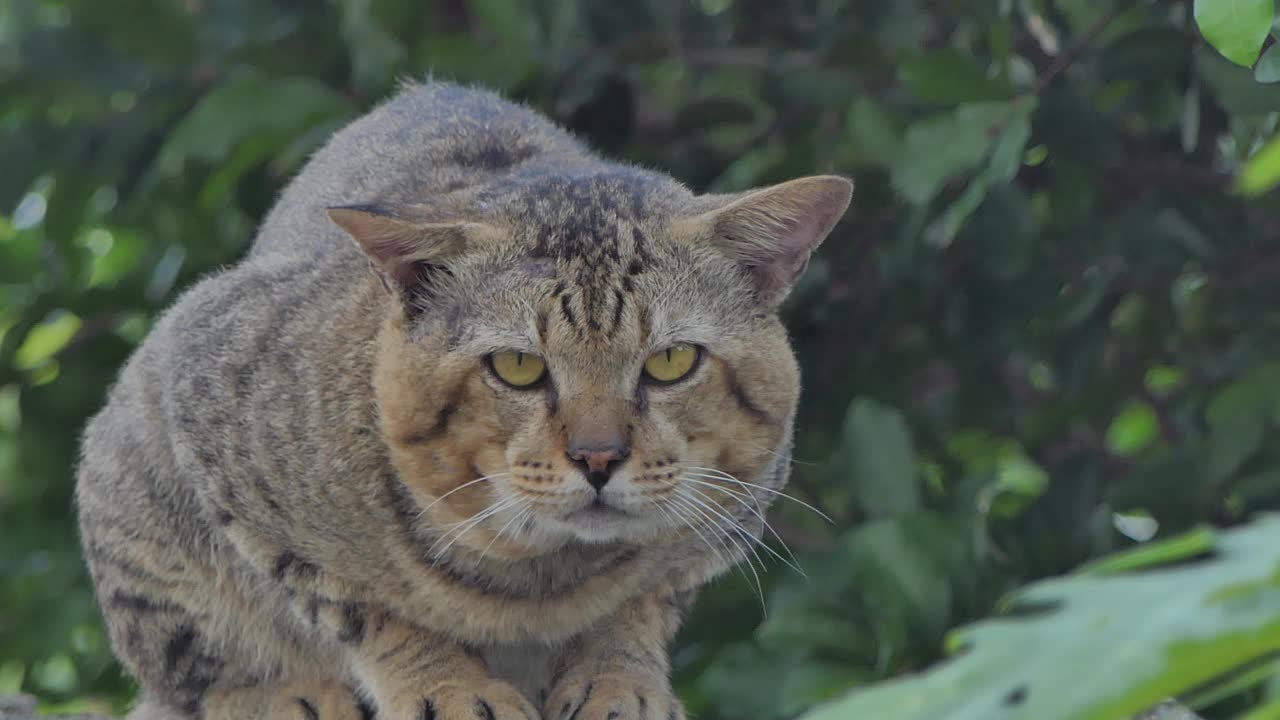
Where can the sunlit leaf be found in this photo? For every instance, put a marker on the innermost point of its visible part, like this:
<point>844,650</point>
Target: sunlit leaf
<point>46,339</point>
<point>1237,28</point>
<point>1262,172</point>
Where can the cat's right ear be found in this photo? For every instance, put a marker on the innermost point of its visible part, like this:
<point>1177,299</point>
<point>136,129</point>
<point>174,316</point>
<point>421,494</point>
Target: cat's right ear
<point>399,246</point>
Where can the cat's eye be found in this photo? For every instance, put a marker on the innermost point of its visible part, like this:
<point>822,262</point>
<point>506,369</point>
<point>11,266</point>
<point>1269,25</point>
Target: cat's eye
<point>672,364</point>
<point>517,369</point>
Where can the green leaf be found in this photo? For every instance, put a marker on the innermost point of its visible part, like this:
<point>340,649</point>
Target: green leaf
<point>874,134</point>
<point>1002,166</point>
<point>1237,28</point>
<point>375,53</point>
<point>1268,68</point>
<point>1133,429</point>
<point>950,76</point>
<point>238,110</point>
<point>1234,87</point>
<point>1100,646</point>
<point>1188,546</point>
<point>936,149</point>
<point>879,459</point>
<point>1020,477</point>
<point>1237,416</point>
<point>896,569</point>
<point>46,339</point>
<point>1262,171</point>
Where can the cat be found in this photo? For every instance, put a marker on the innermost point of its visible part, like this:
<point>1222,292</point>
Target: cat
<point>460,437</point>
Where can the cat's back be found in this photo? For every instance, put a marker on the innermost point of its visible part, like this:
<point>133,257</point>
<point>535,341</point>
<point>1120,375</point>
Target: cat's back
<point>430,139</point>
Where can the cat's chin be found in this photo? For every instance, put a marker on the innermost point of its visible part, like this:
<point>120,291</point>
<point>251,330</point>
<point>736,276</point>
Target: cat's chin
<point>603,524</point>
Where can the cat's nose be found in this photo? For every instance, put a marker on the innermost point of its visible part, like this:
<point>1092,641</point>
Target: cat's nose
<point>598,463</point>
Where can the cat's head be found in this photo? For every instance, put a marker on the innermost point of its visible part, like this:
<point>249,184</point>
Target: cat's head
<point>603,349</point>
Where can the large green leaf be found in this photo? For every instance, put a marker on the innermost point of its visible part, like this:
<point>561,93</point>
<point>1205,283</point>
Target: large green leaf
<point>1104,643</point>
<point>877,452</point>
<point>1237,28</point>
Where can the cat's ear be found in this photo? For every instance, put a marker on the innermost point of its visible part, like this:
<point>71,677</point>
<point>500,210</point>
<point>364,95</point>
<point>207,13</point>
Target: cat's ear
<point>399,244</point>
<point>773,230</point>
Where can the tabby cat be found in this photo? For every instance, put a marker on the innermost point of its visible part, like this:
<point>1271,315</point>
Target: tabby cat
<point>474,464</point>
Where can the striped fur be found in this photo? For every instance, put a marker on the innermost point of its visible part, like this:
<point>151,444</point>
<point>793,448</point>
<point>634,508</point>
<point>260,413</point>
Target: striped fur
<point>274,501</point>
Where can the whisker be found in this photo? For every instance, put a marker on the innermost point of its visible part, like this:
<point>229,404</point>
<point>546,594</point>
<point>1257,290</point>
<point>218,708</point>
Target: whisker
<point>685,518</point>
<point>689,510</point>
<point>722,475</point>
<point>731,524</point>
<point>793,563</point>
<point>792,459</point>
<point>457,533</point>
<point>517,516</point>
<point>685,512</point>
<point>467,484</point>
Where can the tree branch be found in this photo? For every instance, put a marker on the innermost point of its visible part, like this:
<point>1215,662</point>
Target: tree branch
<point>1073,51</point>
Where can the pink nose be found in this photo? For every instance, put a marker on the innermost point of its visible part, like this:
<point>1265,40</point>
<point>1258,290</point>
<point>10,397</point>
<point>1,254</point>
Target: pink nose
<point>598,463</point>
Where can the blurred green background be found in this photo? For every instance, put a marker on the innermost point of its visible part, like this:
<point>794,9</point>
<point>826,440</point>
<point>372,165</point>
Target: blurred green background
<point>1047,330</point>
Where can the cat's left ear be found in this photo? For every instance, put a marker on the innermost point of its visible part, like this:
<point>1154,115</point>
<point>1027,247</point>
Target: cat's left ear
<point>772,231</point>
<point>400,244</point>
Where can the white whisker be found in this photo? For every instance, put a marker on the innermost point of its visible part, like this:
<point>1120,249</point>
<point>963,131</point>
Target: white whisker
<point>730,523</point>
<point>518,516</point>
<point>685,517</point>
<point>465,527</point>
<point>793,563</point>
<point>714,474</point>
<point>789,458</point>
<point>725,539</point>
<point>464,485</point>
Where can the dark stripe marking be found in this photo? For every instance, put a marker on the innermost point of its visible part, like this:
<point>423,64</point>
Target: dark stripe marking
<point>484,709</point>
<point>428,710</point>
<point>352,631</point>
<point>179,645</point>
<point>141,603</point>
<point>582,703</point>
<point>739,394</point>
<point>281,567</point>
<point>567,311</point>
<point>308,709</point>
<point>438,429</point>
<point>618,304</point>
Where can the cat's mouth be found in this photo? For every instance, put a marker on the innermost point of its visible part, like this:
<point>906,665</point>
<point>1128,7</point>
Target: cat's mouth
<point>598,508</point>
<point>601,521</point>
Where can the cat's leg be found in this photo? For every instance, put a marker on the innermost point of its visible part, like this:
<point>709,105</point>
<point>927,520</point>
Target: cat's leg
<point>147,710</point>
<point>412,674</point>
<point>619,670</point>
<point>295,701</point>
<point>159,638</point>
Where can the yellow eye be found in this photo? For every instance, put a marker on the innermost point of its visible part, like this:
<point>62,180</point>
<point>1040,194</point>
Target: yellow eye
<point>517,369</point>
<point>672,364</point>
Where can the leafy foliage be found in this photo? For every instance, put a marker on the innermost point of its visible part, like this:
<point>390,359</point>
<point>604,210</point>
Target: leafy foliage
<point>1167,628</point>
<point>1046,332</point>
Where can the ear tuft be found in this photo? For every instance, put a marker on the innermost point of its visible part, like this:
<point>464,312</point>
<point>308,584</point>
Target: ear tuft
<point>773,231</point>
<point>397,245</point>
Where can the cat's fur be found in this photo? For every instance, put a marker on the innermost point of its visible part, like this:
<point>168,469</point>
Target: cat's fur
<point>263,499</point>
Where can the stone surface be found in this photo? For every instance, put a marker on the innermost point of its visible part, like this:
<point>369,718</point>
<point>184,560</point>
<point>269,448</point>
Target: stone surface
<point>23,707</point>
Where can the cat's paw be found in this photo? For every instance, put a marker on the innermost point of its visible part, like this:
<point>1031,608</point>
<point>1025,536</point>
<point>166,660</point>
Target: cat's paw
<point>614,696</point>
<point>458,700</point>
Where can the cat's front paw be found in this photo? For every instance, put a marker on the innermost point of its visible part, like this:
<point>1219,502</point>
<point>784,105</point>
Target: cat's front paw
<point>614,696</point>
<point>462,700</point>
